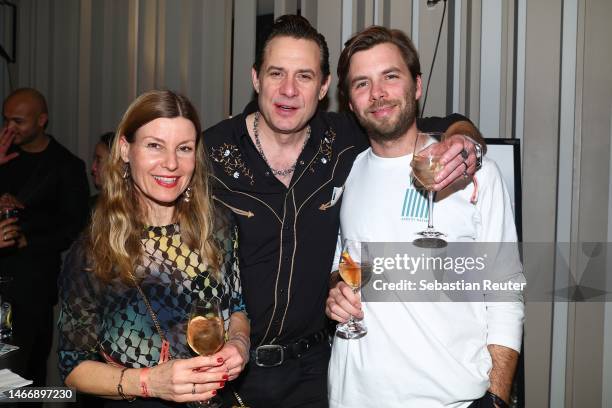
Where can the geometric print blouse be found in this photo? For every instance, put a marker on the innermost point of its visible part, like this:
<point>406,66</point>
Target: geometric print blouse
<point>114,318</point>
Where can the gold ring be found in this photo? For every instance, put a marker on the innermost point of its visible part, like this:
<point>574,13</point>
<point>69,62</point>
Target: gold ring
<point>193,389</point>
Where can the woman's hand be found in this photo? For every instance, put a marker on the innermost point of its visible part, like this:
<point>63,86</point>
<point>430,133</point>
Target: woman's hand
<point>235,353</point>
<point>183,380</point>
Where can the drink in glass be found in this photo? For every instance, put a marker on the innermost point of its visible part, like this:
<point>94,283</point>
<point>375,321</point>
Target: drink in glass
<point>426,164</point>
<point>206,334</point>
<point>354,268</point>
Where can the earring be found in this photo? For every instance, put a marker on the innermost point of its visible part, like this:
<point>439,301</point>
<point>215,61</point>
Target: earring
<point>187,194</point>
<point>126,171</point>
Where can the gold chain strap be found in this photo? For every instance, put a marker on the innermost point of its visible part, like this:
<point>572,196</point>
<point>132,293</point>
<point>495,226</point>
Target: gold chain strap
<point>151,312</point>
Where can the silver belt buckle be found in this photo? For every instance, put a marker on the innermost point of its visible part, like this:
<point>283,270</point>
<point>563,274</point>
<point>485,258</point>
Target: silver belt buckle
<point>269,355</point>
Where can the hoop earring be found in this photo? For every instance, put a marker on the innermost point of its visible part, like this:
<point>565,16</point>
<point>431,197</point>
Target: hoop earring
<point>126,171</point>
<point>187,194</point>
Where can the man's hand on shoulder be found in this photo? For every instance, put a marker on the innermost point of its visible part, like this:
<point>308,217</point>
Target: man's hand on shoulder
<point>461,160</point>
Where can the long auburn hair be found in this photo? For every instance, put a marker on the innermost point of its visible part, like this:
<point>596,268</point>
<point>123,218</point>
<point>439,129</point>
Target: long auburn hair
<point>118,220</point>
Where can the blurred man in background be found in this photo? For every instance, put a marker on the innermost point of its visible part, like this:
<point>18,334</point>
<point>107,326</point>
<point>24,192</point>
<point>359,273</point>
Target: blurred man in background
<point>48,185</point>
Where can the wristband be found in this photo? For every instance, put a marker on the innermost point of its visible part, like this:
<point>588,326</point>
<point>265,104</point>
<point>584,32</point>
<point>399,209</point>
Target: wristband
<point>120,387</point>
<point>144,379</point>
<point>496,399</point>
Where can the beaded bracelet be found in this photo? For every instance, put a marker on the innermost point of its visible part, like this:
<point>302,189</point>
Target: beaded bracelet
<point>120,387</point>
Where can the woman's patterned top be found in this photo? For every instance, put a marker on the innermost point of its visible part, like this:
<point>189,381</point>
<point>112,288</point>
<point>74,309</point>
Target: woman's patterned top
<point>114,318</point>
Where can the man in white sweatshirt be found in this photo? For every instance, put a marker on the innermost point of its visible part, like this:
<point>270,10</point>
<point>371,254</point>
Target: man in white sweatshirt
<point>416,354</point>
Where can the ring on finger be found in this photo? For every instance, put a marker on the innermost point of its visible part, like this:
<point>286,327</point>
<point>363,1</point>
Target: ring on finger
<point>464,154</point>
<point>193,389</point>
<point>465,173</point>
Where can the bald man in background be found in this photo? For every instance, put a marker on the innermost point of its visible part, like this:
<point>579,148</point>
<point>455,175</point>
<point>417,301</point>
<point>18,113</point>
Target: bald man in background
<point>49,186</point>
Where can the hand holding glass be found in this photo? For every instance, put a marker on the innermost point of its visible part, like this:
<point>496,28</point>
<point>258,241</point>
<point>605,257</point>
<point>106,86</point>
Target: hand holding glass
<point>206,332</point>
<point>354,268</point>
<point>426,164</point>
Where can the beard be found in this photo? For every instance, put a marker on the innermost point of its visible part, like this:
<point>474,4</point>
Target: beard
<point>392,127</point>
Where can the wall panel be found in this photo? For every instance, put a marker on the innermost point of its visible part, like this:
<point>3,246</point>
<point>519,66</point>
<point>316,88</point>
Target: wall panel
<point>329,13</point>
<point>429,24</point>
<point>541,130</point>
<point>595,61</point>
<point>244,55</point>
<point>491,67</point>
<point>400,15</point>
<point>282,7</point>
<point>147,40</point>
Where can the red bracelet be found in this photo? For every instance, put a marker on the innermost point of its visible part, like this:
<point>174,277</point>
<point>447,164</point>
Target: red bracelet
<point>144,379</point>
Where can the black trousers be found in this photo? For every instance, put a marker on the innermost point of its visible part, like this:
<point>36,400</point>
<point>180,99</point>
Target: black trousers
<point>296,383</point>
<point>33,333</point>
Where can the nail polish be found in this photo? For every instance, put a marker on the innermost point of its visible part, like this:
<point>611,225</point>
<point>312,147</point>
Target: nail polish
<point>219,360</point>
<point>214,392</point>
<point>225,376</point>
<point>221,384</point>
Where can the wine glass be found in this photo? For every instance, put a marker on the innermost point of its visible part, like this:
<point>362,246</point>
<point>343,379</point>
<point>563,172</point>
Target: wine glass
<point>206,334</point>
<point>426,164</point>
<point>6,321</point>
<point>354,268</point>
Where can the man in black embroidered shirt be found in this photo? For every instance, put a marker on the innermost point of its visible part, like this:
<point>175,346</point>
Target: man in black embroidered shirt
<point>280,167</point>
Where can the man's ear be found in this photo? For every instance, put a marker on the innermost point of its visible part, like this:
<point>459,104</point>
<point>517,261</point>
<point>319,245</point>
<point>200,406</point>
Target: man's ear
<point>255,79</point>
<point>124,149</point>
<point>350,105</point>
<point>324,87</point>
<point>42,119</point>
<point>418,88</point>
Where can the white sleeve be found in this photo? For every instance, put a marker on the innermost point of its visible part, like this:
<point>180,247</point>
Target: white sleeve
<point>338,251</point>
<point>504,312</point>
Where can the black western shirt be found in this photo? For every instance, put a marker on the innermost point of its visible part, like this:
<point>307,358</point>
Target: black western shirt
<point>287,235</point>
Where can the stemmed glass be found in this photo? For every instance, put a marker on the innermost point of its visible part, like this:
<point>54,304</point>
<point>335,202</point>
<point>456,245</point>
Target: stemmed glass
<point>206,334</point>
<point>426,164</point>
<point>355,268</point>
<point>6,322</point>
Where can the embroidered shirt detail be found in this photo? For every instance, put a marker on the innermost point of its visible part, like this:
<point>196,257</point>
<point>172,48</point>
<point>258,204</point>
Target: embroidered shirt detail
<point>228,156</point>
<point>325,149</point>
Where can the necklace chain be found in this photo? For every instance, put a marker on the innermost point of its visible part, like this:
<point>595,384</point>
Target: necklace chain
<point>281,172</point>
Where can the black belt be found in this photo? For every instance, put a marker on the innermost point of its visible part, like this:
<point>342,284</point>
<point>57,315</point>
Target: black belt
<point>272,355</point>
